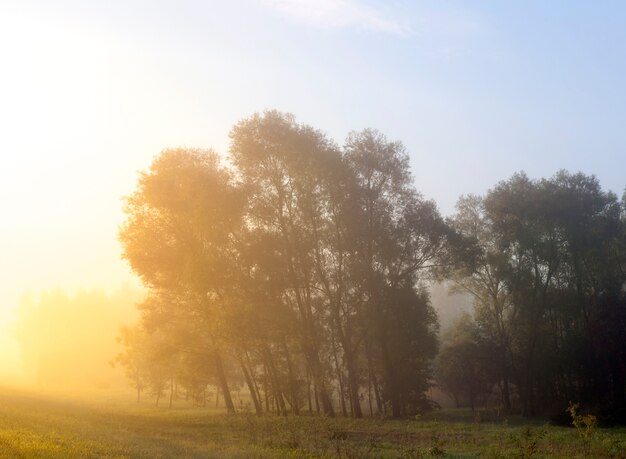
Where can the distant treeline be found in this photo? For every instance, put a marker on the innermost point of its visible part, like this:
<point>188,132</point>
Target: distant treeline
<point>299,271</point>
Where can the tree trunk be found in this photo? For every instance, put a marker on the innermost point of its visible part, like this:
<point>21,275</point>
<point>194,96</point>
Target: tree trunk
<point>506,394</point>
<point>320,385</point>
<point>345,340</point>
<point>393,393</point>
<point>369,393</point>
<point>353,386</point>
<point>372,374</point>
<point>255,400</point>
<point>171,391</point>
<point>276,387</point>
<point>254,381</point>
<point>317,401</point>
<point>293,390</point>
<point>221,376</point>
<point>342,397</point>
<point>308,390</point>
<point>310,342</point>
<point>266,389</point>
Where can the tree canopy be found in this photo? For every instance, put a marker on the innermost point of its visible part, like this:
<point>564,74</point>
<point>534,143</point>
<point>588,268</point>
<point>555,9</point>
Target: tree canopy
<point>299,269</point>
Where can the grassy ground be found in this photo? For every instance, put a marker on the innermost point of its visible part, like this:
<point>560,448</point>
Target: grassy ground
<point>38,426</point>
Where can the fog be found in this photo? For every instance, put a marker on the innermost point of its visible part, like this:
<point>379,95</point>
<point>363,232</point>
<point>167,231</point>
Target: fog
<point>66,341</point>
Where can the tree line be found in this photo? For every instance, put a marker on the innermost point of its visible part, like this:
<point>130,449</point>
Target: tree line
<point>299,271</point>
<point>549,285</point>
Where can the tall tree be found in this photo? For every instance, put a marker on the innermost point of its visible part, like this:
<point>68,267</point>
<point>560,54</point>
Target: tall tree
<point>279,164</point>
<point>397,234</point>
<point>464,367</point>
<point>178,237</point>
<point>549,287</point>
<point>481,272</point>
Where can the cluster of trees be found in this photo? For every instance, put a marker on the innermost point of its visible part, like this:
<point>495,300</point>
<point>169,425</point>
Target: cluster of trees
<point>548,276</point>
<point>299,272</point>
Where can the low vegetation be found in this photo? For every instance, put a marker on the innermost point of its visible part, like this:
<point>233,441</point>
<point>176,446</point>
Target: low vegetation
<point>37,426</point>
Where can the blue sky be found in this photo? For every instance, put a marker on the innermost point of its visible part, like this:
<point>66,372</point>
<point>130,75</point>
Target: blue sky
<point>475,90</point>
<point>90,91</point>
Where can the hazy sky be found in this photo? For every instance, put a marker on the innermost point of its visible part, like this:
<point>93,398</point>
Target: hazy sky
<point>90,91</point>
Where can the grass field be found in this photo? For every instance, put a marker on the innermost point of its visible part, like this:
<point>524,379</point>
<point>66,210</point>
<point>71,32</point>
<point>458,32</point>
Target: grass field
<point>46,426</point>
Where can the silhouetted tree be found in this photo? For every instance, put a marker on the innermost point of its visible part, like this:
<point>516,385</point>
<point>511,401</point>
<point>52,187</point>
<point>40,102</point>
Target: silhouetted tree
<point>177,238</point>
<point>465,364</point>
<point>397,235</point>
<point>549,288</point>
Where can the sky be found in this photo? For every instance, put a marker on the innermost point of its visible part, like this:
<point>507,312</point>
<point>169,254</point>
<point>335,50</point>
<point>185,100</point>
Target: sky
<point>91,91</point>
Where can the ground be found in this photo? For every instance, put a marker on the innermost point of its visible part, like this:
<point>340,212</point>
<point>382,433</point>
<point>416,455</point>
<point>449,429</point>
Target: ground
<point>116,427</point>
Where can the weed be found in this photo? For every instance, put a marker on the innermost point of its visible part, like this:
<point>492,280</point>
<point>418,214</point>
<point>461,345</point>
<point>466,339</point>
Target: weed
<point>436,450</point>
<point>585,426</point>
<point>527,442</point>
<point>411,452</point>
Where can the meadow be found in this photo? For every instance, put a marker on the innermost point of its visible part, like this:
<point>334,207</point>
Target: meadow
<point>114,427</point>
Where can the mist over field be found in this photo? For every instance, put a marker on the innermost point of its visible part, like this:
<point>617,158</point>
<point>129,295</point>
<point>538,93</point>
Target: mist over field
<point>65,342</point>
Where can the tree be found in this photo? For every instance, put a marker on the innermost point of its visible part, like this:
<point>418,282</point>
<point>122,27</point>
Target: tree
<point>279,165</point>
<point>464,367</point>
<point>548,285</point>
<point>178,235</point>
<point>133,357</point>
<point>396,235</point>
<point>481,272</point>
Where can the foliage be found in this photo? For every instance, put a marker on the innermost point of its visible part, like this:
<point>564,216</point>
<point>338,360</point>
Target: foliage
<point>464,368</point>
<point>299,267</point>
<point>300,271</point>
<point>585,424</point>
<point>546,272</point>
